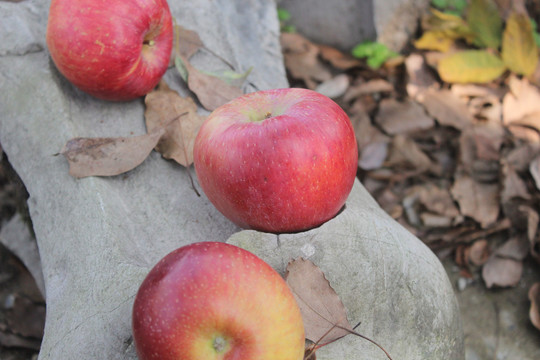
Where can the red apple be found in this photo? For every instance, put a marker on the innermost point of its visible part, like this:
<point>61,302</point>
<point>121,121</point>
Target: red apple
<point>111,49</point>
<point>280,160</point>
<point>211,300</point>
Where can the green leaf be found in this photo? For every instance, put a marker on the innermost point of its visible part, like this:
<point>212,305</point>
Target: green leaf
<point>452,25</point>
<point>375,52</point>
<point>519,50</point>
<point>229,76</point>
<point>283,15</point>
<point>459,5</point>
<point>179,65</point>
<point>471,66</point>
<point>441,4</point>
<point>485,22</point>
<point>435,40</point>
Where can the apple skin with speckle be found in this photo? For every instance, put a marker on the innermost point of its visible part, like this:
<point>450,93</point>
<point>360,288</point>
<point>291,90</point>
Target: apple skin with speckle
<point>212,300</point>
<point>112,49</point>
<point>281,160</point>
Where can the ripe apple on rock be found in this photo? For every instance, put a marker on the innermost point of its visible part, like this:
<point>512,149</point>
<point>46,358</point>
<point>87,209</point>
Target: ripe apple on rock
<point>111,49</point>
<point>281,160</point>
<point>212,300</point>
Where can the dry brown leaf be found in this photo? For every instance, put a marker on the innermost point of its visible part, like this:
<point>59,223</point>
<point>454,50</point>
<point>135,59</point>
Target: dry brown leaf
<point>521,156</point>
<point>188,42</point>
<point>372,143</point>
<point>478,252</point>
<point>534,311</point>
<point>435,220</point>
<point>338,59</point>
<point>366,88</point>
<point>396,117</point>
<point>108,156</point>
<point>406,154</point>
<point>477,200</point>
<point>515,248</point>
<point>319,304</point>
<point>479,148</point>
<point>438,200</point>
<point>302,60</point>
<point>523,99</point>
<point>534,169</point>
<point>166,108</point>
<point>502,272</point>
<point>513,185</point>
<point>446,108</point>
<point>211,91</point>
<point>532,221</point>
<point>421,78</point>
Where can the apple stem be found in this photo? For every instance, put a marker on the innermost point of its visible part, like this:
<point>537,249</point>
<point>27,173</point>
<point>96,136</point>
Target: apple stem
<point>268,115</point>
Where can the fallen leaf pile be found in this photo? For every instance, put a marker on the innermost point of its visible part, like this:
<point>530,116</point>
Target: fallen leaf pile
<point>323,313</point>
<point>458,165</point>
<point>172,121</point>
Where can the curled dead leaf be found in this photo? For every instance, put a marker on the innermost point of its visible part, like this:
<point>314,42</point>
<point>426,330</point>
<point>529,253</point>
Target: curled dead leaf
<point>478,200</point>
<point>319,304</point>
<point>108,156</point>
<point>502,272</point>
<point>165,108</point>
<point>534,311</point>
<point>302,60</point>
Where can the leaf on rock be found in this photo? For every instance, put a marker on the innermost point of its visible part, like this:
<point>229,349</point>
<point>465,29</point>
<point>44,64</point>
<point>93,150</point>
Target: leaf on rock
<point>211,91</point>
<point>502,272</point>
<point>165,108</point>
<point>485,23</point>
<point>319,304</point>
<point>519,50</point>
<point>188,42</point>
<point>534,311</point>
<point>471,66</point>
<point>446,108</point>
<point>477,200</point>
<point>302,60</point>
<point>396,117</point>
<point>108,156</point>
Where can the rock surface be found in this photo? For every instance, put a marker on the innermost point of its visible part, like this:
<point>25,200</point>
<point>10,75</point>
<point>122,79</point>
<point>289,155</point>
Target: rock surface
<point>387,279</point>
<point>345,23</point>
<point>98,237</point>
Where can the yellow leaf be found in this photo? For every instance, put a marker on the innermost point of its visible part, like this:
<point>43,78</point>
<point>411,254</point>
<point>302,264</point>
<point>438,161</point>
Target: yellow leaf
<point>471,66</point>
<point>434,40</point>
<point>485,22</point>
<point>519,51</point>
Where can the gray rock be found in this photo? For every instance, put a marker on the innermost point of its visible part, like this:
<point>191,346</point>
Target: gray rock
<point>346,23</point>
<point>339,23</point>
<point>387,279</point>
<point>98,237</point>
